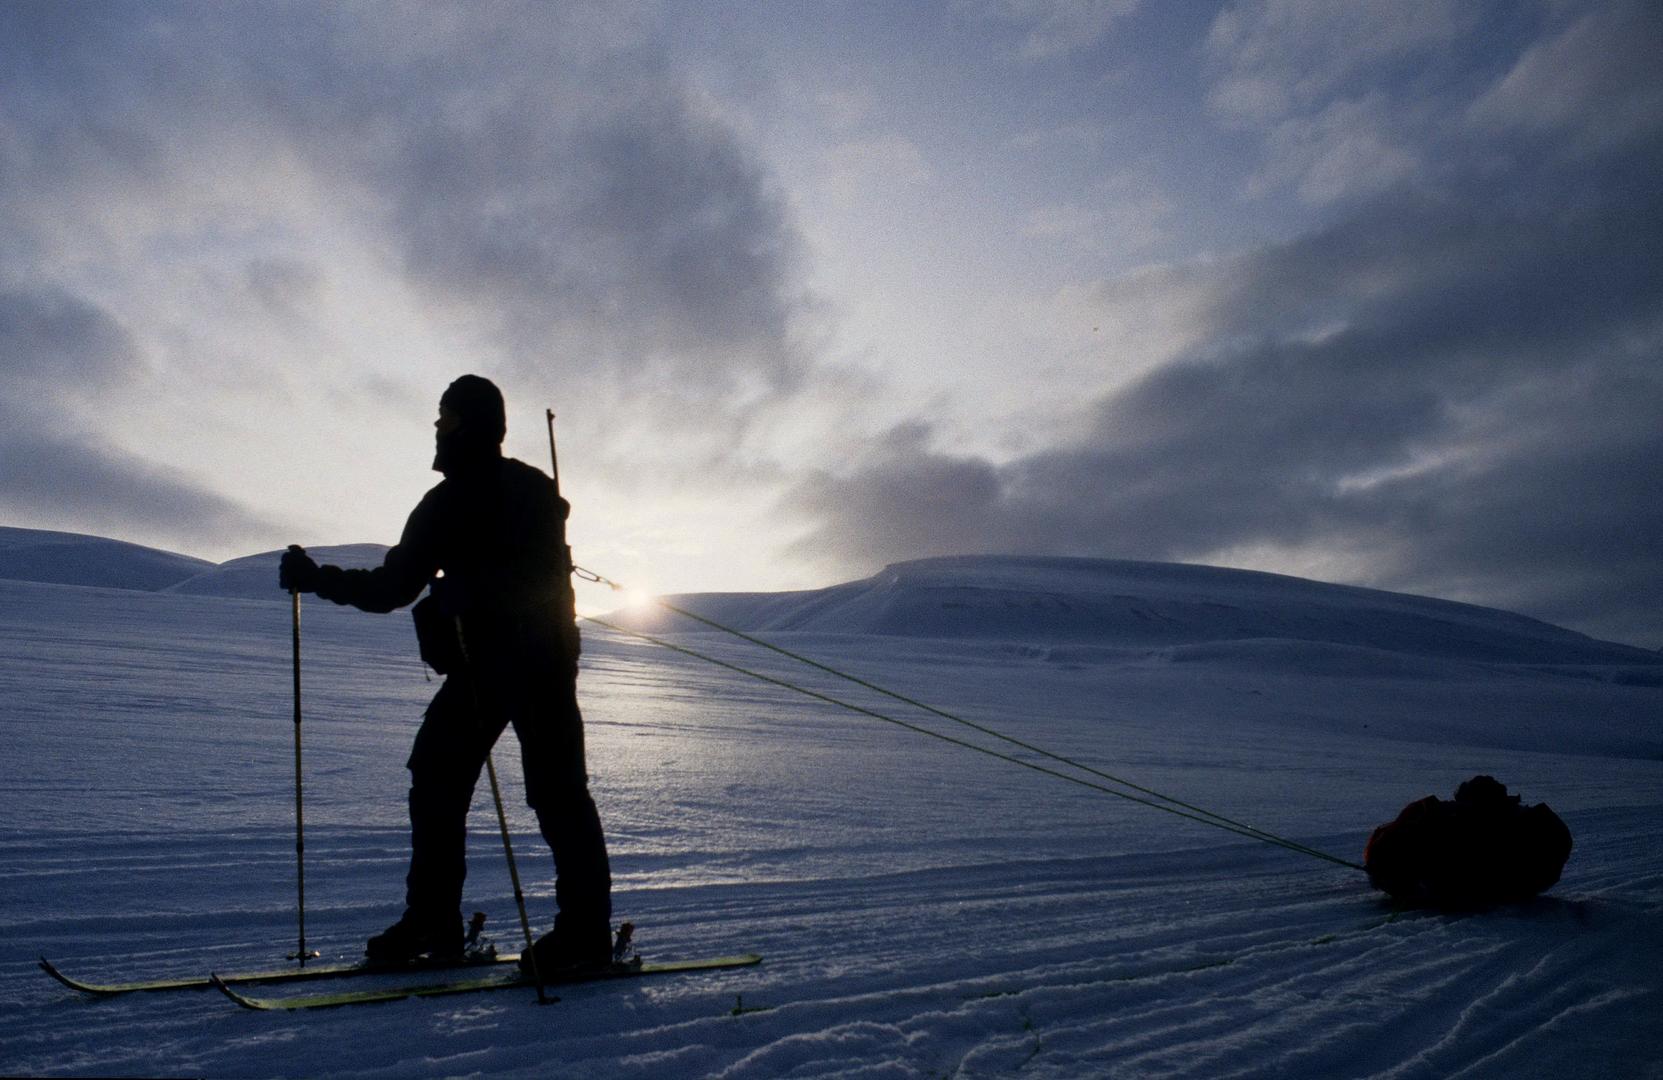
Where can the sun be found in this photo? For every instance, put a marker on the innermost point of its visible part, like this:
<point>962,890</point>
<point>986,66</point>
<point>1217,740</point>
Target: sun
<point>595,601</point>
<point>638,600</point>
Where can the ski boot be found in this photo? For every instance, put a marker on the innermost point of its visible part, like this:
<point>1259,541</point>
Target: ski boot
<point>570,950</point>
<point>417,936</point>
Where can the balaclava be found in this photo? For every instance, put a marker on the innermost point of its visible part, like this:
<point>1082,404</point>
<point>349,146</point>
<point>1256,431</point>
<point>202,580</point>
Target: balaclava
<point>478,404</point>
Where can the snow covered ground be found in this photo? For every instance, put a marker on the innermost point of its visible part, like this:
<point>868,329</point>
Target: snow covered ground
<point>924,911</point>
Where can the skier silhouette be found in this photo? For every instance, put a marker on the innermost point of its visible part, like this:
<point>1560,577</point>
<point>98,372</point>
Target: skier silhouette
<point>499,624</point>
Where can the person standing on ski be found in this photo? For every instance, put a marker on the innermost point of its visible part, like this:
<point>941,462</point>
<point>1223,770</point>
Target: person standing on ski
<point>489,542</point>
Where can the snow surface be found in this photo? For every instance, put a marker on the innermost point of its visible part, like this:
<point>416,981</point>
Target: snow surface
<point>925,911</point>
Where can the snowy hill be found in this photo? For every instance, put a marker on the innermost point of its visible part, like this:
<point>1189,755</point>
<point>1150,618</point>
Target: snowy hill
<point>61,558</point>
<point>1075,610</point>
<point>254,577</point>
<point>1070,606</point>
<point>1141,605</point>
<point>72,559</point>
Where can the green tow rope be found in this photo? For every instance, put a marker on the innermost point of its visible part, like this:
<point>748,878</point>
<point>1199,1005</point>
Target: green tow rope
<point>1167,803</point>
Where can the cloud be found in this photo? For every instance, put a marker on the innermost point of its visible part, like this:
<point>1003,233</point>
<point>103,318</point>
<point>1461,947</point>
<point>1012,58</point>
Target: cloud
<point>65,476</point>
<point>543,169</point>
<point>640,235</point>
<point>1352,99</point>
<point>558,196</point>
<point>47,330</point>
<point>1122,213</point>
<point>854,169</point>
<point>1348,149</point>
<point>1487,432</point>
<point>59,467</point>
<point>904,500</point>
<point>1593,84</point>
<point>1452,391</point>
<point>242,222</point>
<point>1275,57</point>
<point>1053,28</point>
<point>337,207</point>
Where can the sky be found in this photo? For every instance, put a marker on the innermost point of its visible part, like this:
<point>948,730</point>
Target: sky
<point>1365,292</point>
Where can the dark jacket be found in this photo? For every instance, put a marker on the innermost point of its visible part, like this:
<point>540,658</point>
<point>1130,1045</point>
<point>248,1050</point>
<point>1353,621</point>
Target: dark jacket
<point>497,531</point>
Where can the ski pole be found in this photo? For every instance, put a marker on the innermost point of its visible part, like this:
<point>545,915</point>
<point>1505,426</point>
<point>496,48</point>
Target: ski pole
<point>299,816</point>
<point>502,815</point>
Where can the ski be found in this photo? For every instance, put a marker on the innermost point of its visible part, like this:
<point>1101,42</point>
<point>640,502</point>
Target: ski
<point>283,975</point>
<point>501,981</point>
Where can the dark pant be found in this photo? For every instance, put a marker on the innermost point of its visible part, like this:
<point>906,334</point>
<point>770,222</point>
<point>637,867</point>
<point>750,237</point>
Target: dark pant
<point>456,735</point>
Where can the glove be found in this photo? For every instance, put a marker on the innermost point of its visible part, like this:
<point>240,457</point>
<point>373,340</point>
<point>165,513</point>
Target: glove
<point>297,572</point>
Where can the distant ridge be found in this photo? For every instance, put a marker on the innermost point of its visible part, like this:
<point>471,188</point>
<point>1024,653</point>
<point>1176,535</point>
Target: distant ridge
<point>1182,609</point>
<point>61,558</point>
<point>1069,607</point>
<point>254,577</point>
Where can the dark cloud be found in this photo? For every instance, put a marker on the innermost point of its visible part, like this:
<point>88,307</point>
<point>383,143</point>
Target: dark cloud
<point>266,195</point>
<point>59,472</point>
<point>904,501</point>
<point>558,193</point>
<point>1454,383</point>
<point>1454,391</point>
<point>283,288</point>
<point>47,332</point>
<point>561,187</point>
<point>642,239</point>
<point>57,467</point>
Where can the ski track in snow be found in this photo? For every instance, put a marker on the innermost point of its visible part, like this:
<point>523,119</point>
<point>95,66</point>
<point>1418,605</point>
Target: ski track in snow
<point>924,912</point>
